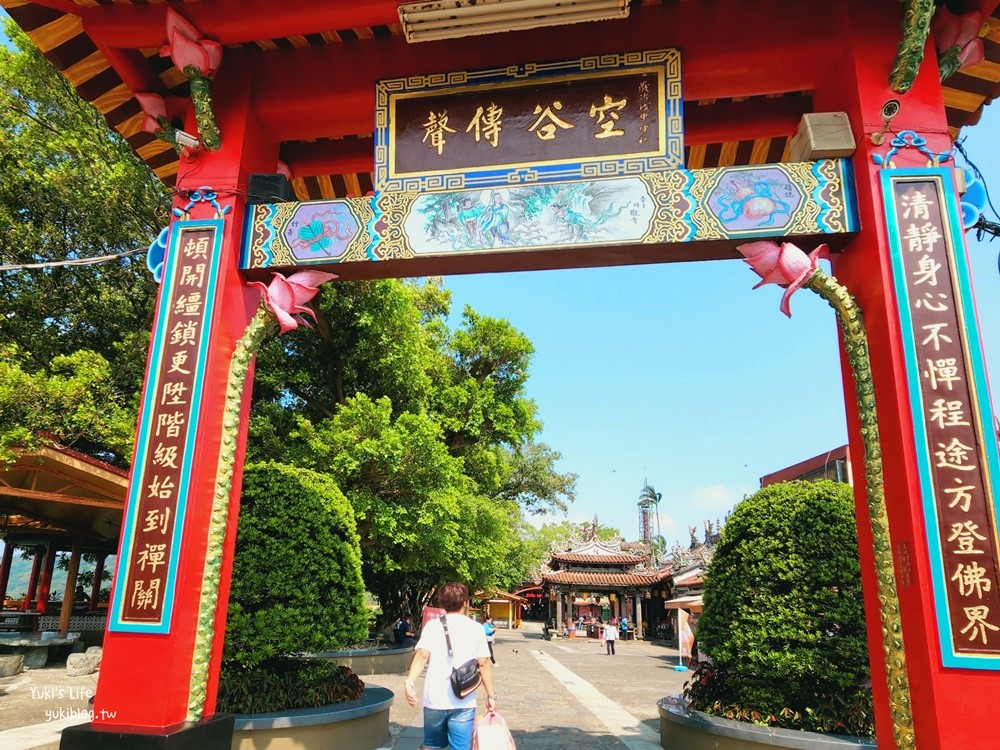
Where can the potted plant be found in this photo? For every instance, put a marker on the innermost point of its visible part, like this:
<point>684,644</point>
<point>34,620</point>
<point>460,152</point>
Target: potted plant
<point>296,588</point>
<point>783,626</point>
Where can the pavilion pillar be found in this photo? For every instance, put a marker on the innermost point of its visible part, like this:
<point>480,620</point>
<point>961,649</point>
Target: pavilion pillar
<point>5,566</point>
<point>638,616</point>
<point>70,590</point>
<point>36,568</point>
<point>95,588</point>
<point>559,612</point>
<point>145,697</point>
<point>45,583</point>
<point>947,703</point>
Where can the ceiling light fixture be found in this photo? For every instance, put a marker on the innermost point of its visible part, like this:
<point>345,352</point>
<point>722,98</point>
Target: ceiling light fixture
<point>429,21</point>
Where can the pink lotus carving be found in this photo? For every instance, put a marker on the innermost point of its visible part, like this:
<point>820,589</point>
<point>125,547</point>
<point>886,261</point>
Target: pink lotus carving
<point>286,297</point>
<point>961,31</point>
<point>154,109</point>
<point>785,265</point>
<point>188,48</point>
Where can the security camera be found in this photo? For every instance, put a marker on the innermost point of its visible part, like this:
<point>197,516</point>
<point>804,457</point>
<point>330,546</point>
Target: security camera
<point>186,140</point>
<point>890,109</point>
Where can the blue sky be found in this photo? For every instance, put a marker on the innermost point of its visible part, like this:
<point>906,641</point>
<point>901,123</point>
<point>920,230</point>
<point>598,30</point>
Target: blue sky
<point>681,375</point>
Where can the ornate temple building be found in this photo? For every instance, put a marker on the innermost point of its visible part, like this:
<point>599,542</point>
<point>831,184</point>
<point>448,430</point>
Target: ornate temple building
<point>600,579</point>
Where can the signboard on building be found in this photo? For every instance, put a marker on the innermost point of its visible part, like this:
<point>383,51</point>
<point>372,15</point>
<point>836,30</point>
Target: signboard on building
<point>154,520</point>
<point>956,444</point>
<point>602,116</point>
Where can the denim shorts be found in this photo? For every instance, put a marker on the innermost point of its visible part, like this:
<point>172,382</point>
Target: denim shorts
<point>451,728</point>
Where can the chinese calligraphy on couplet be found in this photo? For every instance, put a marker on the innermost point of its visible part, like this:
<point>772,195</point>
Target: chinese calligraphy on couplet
<point>954,449</point>
<point>174,399</point>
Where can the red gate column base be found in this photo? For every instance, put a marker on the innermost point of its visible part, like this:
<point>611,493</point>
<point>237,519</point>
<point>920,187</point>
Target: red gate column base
<point>212,733</point>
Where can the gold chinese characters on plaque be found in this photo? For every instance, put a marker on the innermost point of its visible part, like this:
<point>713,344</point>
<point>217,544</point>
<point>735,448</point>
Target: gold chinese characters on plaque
<point>591,117</point>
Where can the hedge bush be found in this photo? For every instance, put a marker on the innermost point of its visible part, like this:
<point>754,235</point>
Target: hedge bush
<point>296,584</point>
<point>783,618</point>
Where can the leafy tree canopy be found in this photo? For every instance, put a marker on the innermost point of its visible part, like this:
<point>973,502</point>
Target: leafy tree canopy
<point>71,189</point>
<point>74,399</point>
<point>784,617</point>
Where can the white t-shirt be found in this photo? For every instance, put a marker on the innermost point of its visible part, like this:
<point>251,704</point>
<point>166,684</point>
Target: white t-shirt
<point>468,641</point>
<point>610,632</point>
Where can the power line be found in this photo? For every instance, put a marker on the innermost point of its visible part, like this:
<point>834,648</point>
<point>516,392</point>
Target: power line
<point>75,261</point>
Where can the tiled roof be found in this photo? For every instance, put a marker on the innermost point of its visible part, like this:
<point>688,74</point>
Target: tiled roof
<point>618,559</point>
<point>604,579</point>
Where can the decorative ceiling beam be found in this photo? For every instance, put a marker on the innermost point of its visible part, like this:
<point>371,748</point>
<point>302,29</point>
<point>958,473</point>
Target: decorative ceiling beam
<point>740,121</point>
<point>235,21</point>
<point>53,497</point>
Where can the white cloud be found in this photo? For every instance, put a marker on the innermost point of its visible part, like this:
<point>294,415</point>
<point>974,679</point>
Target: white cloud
<point>714,495</point>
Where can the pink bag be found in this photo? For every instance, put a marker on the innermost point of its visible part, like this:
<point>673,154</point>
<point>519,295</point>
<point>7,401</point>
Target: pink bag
<point>492,734</point>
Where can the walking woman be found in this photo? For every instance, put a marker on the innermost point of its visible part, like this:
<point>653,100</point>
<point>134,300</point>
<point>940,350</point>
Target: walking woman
<point>448,719</point>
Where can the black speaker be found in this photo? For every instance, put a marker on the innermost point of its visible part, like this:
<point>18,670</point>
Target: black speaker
<point>269,188</point>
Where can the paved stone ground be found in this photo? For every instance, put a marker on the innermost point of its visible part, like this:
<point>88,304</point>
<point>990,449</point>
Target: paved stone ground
<point>553,694</point>
<point>546,711</point>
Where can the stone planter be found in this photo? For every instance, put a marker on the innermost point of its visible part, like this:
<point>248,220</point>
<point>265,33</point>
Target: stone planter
<point>371,661</point>
<point>360,725</point>
<point>694,730</point>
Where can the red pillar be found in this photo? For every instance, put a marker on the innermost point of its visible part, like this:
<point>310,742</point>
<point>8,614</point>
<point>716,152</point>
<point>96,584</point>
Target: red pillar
<point>36,567</point>
<point>947,704</point>
<point>8,561</point>
<point>145,678</point>
<point>42,604</point>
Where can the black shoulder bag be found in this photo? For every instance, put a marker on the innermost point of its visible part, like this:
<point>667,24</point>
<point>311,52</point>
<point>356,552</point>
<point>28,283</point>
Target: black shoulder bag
<point>465,678</point>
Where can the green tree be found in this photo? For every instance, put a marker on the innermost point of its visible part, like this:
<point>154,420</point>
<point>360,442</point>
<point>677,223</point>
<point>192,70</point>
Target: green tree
<point>71,190</point>
<point>73,399</point>
<point>784,618</point>
<point>296,582</point>
<point>420,518</point>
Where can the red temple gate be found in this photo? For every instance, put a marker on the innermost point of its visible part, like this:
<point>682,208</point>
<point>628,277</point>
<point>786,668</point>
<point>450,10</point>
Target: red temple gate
<point>296,91</point>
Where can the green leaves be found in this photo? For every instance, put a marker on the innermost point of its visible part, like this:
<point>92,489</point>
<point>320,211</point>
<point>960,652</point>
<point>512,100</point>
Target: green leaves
<point>784,617</point>
<point>75,401</point>
<point>70,189</point>
<point>296,583</point>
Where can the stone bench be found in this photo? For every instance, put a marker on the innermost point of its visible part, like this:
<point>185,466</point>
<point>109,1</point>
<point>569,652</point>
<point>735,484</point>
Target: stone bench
<point>34,647</point>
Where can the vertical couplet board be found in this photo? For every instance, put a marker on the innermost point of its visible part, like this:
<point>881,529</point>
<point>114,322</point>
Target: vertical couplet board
<point>956,446</point>
<point>151,536</point>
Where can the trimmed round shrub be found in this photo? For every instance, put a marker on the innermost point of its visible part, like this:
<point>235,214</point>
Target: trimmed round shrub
<point>296,588</point>
<point>783,619</point>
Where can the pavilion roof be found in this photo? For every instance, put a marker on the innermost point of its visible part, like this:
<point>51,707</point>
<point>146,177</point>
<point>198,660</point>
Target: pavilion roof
<point>109,50</point>
<point>620,558</point>
<point>57,491</point>
<point>588,578</point>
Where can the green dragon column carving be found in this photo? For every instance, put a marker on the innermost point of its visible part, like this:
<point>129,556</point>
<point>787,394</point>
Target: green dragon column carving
<point>201,98</point>
<point>790,268</point>
<point>916,26</point>
<point>261,327</point>
<point>856,344</point>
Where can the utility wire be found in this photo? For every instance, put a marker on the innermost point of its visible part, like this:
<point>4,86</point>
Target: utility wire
<point>75,261</point>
